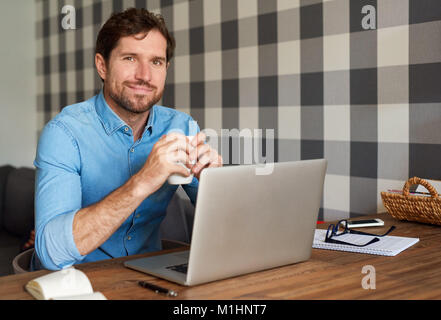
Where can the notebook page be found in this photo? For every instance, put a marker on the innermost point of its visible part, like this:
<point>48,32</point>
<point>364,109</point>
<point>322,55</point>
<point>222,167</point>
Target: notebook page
<point>388,245</point>
<point>67,282</point>
<point>90,296</point>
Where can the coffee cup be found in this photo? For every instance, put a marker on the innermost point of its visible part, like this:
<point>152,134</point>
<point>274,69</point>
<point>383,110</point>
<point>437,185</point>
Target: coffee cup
<point>177,178</point>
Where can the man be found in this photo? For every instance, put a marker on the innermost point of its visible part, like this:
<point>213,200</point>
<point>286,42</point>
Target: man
<point>102,165</point>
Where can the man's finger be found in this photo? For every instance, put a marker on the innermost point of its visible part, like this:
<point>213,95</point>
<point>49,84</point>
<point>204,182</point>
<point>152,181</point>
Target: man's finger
<point>198,139</point>
<point>205,160</point>
<point>180,169</point>
<point>176,143</point>
<point>178,156</point>
<point>198,152</point>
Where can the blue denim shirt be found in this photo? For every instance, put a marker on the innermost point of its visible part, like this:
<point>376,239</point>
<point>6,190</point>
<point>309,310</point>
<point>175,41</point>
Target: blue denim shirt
<point>84,154</point>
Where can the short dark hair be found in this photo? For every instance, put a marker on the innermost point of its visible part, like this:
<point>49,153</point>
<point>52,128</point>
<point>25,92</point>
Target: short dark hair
<point>131,22</point>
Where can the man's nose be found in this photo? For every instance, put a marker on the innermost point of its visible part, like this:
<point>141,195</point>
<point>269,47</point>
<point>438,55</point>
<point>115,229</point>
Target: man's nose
<point>143,72</point>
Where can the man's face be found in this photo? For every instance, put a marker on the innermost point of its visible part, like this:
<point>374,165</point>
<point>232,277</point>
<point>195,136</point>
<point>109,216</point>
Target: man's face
<point>134,76</point>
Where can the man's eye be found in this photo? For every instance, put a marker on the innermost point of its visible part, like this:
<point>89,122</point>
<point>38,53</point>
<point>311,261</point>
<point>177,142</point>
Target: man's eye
<point>157,62</point>
<point>129,58</point>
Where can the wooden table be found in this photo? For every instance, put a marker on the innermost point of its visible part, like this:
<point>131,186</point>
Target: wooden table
<point>413,274</point>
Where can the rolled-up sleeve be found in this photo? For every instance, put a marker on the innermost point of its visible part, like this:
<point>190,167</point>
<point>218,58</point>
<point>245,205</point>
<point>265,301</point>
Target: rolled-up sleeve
<point>57,196</point>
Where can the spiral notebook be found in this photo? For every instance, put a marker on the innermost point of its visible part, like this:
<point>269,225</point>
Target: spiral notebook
<point>387,246</point>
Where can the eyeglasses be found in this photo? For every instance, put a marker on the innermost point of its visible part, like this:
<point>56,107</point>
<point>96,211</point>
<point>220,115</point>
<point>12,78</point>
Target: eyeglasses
<point>341,228</point>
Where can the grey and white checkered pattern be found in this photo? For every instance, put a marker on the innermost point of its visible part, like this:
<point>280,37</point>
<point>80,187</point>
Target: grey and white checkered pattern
<point>366,100</point>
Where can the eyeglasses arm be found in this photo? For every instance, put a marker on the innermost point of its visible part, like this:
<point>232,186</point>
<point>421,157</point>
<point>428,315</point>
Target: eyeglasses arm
<point>329,240</point>
<point>371,234</point>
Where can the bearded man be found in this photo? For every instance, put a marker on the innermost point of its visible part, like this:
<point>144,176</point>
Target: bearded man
<point>103,164</point>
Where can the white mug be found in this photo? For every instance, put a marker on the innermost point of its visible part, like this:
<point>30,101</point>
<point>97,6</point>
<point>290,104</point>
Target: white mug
<point>180,179</point>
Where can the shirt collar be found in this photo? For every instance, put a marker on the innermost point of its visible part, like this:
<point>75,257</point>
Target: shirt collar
<point>150,120</point>
<point>111,121</point>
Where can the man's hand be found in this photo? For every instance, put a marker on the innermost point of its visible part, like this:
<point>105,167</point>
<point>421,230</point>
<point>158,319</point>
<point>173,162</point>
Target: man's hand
<point>163,161</point>
<point>205,156</point>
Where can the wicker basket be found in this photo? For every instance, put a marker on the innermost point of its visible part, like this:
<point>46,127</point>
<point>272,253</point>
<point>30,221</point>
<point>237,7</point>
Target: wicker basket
<point>414,208</point>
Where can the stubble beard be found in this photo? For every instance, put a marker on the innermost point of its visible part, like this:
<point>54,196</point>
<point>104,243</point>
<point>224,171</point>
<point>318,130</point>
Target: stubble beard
<point>137,103</point>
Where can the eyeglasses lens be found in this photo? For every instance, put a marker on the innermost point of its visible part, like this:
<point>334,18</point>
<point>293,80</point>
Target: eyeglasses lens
<point>341,227</point>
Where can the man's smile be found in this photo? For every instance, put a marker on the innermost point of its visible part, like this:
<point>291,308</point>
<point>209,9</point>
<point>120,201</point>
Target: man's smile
<point>140,89</point>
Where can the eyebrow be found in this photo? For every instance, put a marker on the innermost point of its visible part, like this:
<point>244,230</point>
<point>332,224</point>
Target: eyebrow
<point>135,54</point>
<point>128,54</point>
<point>160,58</point>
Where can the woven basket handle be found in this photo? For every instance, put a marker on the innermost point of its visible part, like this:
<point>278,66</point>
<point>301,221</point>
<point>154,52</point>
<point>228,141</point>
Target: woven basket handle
<point>424,183</point>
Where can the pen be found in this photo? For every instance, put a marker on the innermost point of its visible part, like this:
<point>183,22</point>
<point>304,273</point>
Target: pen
<point>157,289</point>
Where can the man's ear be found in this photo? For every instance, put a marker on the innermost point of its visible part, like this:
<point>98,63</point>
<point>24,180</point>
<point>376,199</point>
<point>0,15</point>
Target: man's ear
<point>101,66</point>
<point>168,65</point>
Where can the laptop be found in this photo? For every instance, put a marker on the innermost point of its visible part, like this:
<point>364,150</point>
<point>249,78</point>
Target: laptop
<point>248,218</point>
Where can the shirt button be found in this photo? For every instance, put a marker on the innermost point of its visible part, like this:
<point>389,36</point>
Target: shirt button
<point>132,150</point>
<point>126,129</point>
<point>129,238</point>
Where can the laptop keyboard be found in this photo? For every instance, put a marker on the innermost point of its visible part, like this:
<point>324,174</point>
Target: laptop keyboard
<point>179,268</point>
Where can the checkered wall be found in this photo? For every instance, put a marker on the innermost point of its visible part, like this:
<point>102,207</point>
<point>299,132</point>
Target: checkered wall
<point>366,100</point>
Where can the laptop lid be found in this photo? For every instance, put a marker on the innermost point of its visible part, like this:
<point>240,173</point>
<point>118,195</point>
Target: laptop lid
<point>250,218</point>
